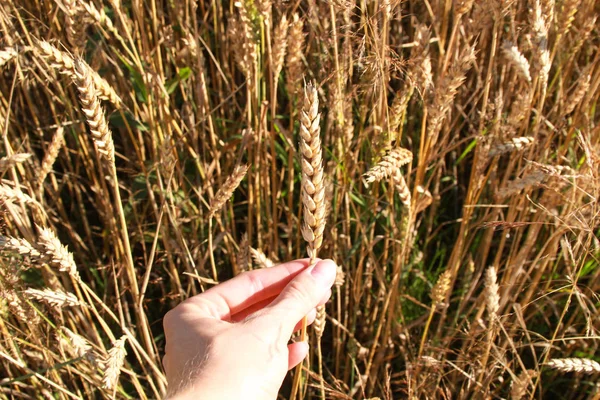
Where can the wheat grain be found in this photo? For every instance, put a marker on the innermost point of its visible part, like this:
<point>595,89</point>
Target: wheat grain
<point>261,259</point>
<point>320,320</point>
<point>389,164</point>
<point>313,186</point>
<point>514,144</point>
<point>492,298</point>
<point>113,363</point>
<point>55,253</point>
<point>518,60</point>
<point>51,155</point>
<point>582,365</point>
<point>94,113</point>
<point>226,191</point>
<point>11,161</point>
<point>55,298</point>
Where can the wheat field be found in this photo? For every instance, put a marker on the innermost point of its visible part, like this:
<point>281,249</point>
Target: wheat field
<point>447,158</point>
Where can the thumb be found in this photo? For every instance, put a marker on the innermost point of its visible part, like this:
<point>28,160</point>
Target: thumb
<point>301,295</point>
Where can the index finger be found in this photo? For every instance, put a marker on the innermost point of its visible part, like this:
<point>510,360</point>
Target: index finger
<point>247,289</point>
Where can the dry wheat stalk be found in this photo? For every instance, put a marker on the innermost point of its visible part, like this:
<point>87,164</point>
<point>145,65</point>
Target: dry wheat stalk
<point>51,155</point>
<point>518,60</point>
<point>313,186</point>
<point>441,288</point>
<point>226,191</point>
<point>261,259</point>
<point>279,46</point>
<point>55,253</point>
<point>514,144</point>
<point>11,161</point>
<point>243,255</point>
<point>94,113</point>
<point>113,363</point>
<point>66,65</point>
<point>76,345</point>
<point>492,298</point>
<point>55,298</point>
<point>293,62</point>
<point>583,365</point>
<point>389,164</point>
<point>7,54</point>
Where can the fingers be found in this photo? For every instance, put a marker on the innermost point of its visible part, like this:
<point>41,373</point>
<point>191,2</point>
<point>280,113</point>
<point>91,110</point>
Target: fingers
<point>297,352</point>
<point>242,315</point>
<point>300,296</point>
<point>247,289</point>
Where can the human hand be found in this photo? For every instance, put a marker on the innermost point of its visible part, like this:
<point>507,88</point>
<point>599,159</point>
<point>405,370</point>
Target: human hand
<point>231,342</point>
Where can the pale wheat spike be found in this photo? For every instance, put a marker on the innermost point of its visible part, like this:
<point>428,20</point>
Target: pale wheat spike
<point>441,288</point>
<point>518,60</point>
<point>11,161</point>
<point>293,62</point>
<point>521,383</point>
<point>402,188</point>
<point>7,54</point>
<point>492,298</point>
<point>66,65</point>
<point>391,162</point>
<point>313,186</point>
<point>55,253</point>
<point>582,88</point>
<point>583,365</point>
<point>113,363</point>
<point>261,259</point>
<point>100,17</point>
<point>243,255</point>
<point>516,185</point>
<point>244,41</point>
<point>21,246</point>
<point>514,144</point>
<point>279,46</point>
<point>224,193</point>
<point>55,298</point>
<point>340,277</point>
<point>320,320</point>
<point>77,345</point>
<point>51,154</point>
<point>94,113</point>
<point>9,194</point>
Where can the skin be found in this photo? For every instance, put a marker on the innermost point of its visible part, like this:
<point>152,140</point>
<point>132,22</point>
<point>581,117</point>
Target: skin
<point>232,341</point>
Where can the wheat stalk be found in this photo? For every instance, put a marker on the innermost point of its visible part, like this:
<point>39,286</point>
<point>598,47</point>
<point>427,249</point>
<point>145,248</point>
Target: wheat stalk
<point>113,363</point>
<point>582,365</point>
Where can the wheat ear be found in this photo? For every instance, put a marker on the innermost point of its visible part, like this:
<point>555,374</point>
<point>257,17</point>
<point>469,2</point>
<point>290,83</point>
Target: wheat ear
<point>11,161</point>
<point>113,363</point>
<point>582,365</point>
<point>438,296</point>
<point>51,155</point>
<point>55,298</point>
<point>389,164</point>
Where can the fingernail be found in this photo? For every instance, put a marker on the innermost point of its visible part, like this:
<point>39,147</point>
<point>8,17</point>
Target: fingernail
<point>324,272</point>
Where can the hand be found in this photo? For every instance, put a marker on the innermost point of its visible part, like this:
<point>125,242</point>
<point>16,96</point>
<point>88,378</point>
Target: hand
<point>231,342</point>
